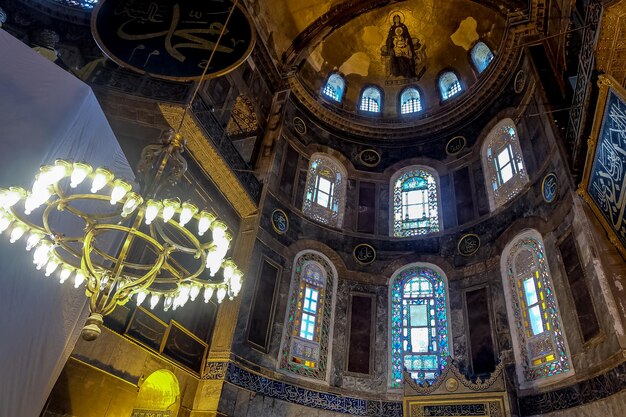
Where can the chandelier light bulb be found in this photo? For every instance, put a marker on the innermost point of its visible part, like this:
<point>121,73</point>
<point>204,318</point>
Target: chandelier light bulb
<point>152,210</point>
<point>100,179</point>
<point>154,300</point>
<point>214,259</point>
<point>167,303</point>
<point>229,269</point>
<point>235,282</point>
<point>40,257</point>
<point>51,174</point>
<point>36,199</point>
<point>219,230</point>
<point>65,274</point>
<point>208,293</point>
<point>120,188</point>
<point>17,232</point>
<point>79,173</point>
<point>221,293</point>
<point>193,292</point>
<point>79,278</point>
<point>186,213</point>
<point>133,200</point>
<point>33,240</point>
<point>10,197</point>
<point>204,222</point>
<point>169,209</point>
<point>183,295</point>
<point>141,296</point>
<point>5,222</point>
<point>52,266</point>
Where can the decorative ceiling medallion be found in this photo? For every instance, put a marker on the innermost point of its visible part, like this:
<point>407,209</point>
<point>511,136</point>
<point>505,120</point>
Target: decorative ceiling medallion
<point>280,221</point>
<point>364,254</point>
<point>299,125</point>
<point>468,244</point>
<point>520,81</point>
<point>369,158</point>
<point>455,145</point>
<point>550,188</point>
<point>173,40</point>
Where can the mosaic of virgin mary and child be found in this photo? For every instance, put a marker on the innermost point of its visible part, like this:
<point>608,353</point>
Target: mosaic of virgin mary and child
<point>406,56</point>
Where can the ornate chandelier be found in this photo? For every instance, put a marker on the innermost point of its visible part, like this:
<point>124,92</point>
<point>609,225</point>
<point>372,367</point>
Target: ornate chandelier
<point>84,225</point>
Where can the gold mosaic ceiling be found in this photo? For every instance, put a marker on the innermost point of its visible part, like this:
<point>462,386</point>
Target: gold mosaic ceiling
<point>354,38</point>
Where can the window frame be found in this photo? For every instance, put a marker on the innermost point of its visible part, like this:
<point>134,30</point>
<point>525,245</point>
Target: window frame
<point>392,187</point>
<point>439,89</point>
<point>381,104</point>
<point>421,101</point>
<point>402,274</point>
<point>495,140</point>
<point>343,93</point>
<point>531,374</point>
<point>471,57</point>
<point>310,206</point>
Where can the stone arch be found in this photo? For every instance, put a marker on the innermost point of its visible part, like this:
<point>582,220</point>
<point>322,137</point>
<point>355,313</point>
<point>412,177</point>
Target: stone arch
<point>160,392</point>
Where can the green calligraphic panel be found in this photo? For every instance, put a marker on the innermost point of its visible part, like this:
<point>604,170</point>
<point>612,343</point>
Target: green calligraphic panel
<point>173,39</point>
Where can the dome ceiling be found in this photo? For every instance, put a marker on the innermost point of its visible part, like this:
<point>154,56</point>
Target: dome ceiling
<point>442,34</point>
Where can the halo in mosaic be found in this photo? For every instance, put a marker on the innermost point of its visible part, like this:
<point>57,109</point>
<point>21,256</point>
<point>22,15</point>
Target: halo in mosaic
<point>419,325</point>
<point>324,199</point>
<point>415,203</point>
<point>541,341</point>
<point>503,164</point>
<point>306,338</point>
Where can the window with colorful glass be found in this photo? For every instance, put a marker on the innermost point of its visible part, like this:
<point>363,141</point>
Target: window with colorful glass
<point>541,348</point>
<point>304,349</point>
<point>503,163</point>
<point>324,199</point>
<point>410,101</point>
<point>334,87</point>
<point>415,203</point>
<point>419,324</point>
<point>371,100</point>
<point>449,85</point>
<point>481,56</point>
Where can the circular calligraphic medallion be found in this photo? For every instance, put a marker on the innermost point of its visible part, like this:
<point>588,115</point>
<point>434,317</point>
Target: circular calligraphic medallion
<point>369,158</point>
<point>280,221</point>
<point>299,125</point>
<point>364,254</point>
<point>468,244</point>
<point>550,188</point>
<point>520,81</point>
<point>455,145</point>
<point>173,40</point>
<point>452,384</point>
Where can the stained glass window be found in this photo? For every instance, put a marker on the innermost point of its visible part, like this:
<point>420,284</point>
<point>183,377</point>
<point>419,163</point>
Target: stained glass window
<point>334,87</point>
<point>481,56</point>
<point>305,345</point>
<point>540,347</point>
<point>503,163</point>
<point>419,324</point>
<point>410,101</point>
<point>371,100</point>
<point>324,199</point>
<point>449,85</point>
<point>415,202</point>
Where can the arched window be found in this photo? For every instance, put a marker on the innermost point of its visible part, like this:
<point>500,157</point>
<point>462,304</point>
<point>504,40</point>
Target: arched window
<point>325,195</point>
<point>308,323</point>
<point>539,342</point>
<point>371,100</point>
<point>503,163</point>
<point>449,85</point>
<point>334,87</point>
<point>410,101</point>
<point>415,202</point>
<point>481,56</point>
<point>419,323</point>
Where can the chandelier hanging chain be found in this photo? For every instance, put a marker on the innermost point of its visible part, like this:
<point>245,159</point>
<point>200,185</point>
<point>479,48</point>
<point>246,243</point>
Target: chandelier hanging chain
<point>206,67</point>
